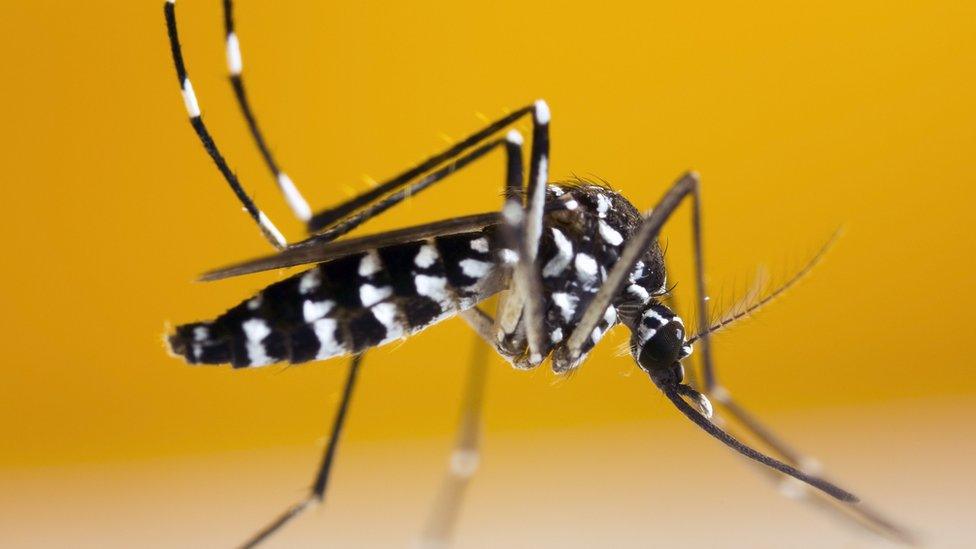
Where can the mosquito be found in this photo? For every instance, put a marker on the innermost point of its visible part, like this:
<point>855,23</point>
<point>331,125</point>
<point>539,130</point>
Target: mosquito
<point>567,261</point>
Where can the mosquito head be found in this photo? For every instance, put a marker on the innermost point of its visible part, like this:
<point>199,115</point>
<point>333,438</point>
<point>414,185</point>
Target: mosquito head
<point>658,344</point>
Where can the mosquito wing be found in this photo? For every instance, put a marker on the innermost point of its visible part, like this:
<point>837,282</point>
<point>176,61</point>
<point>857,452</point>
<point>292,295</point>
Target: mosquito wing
<point>313,250</point>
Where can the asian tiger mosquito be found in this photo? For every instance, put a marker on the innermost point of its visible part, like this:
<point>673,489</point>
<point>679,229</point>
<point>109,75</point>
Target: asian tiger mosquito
<point>568,261</point>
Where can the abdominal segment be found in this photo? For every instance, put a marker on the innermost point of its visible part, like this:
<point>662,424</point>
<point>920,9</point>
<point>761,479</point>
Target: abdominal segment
<point>348,305</point>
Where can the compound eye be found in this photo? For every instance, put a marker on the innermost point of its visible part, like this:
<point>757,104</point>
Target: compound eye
<point>664,347</point>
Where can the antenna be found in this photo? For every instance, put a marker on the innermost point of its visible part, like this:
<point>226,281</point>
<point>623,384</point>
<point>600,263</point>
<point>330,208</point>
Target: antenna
<point>736,315</point>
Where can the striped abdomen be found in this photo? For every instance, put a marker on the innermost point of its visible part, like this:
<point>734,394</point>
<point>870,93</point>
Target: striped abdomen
<point>349,304</point>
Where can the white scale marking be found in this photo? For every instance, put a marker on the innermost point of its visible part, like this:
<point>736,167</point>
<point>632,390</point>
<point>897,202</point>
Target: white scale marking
<point>234,63</point>
<point>566,303</point>
<point>564,255</point>
<point>480,245</point>
<point>654,314</point>
<point>255,302</point>
<point>602,205</point>
<point>370,295</point>
<point>609,234</point>
<point>325,332</point>
<point>508,257</point>
<point>678,320</point>
<point>190,99</point>
<point>475,268</point>
<point>294,198</point>
<point>637,272</point>
<point>609,317</point>
<point>434,287</point>
<point>314,310</point>
<point>201,333</point>
<point>386,314</point>
<point>270,228</point>
<point>256,330</point>
<point>644,333</point>
<point>310,282</point>
<point>542,114</point>
<point>556,336</point>
<point>425,257</point>
<point>639,292</point>
<point>586,267</point>
<point>370,264</point>
<point>514,137</point>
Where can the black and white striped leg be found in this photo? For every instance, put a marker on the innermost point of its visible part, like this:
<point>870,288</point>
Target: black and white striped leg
<point>311,250</point>
<point>317,492</point>
<point>235,67</point>
<point>340,219</point>
<point>439,529</point>
<point>270,232</point>
<point>513,144</point>
<point>522,227</point>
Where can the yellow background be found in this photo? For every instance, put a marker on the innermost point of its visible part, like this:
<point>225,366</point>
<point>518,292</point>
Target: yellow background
<point>800,118</point>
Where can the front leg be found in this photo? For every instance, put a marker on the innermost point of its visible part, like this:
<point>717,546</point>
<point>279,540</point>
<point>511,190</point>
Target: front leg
<point>520,312</point>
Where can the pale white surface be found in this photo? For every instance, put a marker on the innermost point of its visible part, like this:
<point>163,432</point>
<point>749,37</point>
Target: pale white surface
<point>656,483</point>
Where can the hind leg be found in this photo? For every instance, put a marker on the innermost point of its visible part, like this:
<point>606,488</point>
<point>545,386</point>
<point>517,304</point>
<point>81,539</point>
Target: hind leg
<point>442,520</point>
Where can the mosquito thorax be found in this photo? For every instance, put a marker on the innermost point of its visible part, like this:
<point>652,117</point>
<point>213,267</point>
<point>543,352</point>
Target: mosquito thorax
<point>658,344</point>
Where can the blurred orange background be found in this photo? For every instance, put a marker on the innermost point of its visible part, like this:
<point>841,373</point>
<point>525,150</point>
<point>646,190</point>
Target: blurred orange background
<point>800,118</point>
